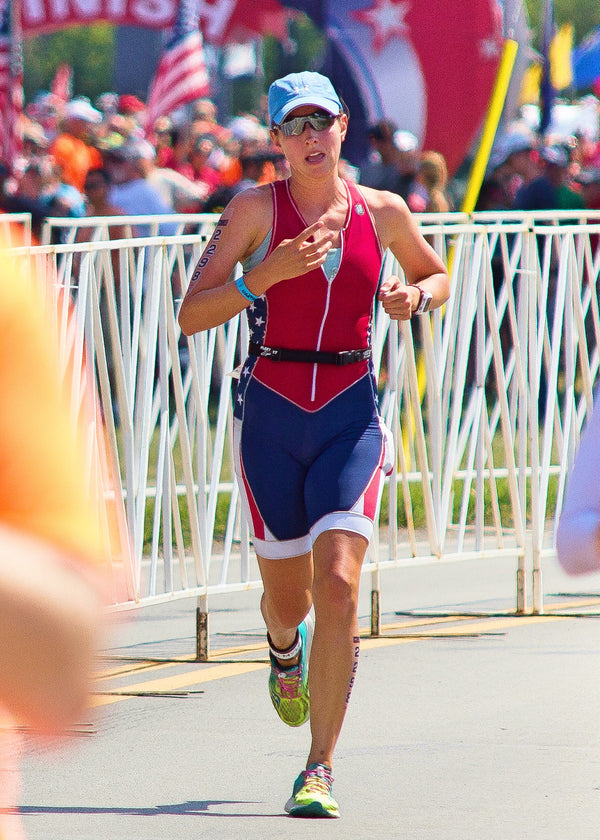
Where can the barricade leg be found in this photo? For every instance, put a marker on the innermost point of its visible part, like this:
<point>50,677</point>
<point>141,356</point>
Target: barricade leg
<point>202,641</point>
<point>375,613</point>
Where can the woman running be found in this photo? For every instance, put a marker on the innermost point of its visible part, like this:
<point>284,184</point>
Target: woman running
<point>311,451</point>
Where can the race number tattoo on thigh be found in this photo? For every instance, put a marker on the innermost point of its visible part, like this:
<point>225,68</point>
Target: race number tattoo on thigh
<point>210,249</point>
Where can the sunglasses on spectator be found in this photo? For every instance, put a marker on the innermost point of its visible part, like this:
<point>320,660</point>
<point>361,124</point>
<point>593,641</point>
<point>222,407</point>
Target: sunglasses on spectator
<point>295,125</point>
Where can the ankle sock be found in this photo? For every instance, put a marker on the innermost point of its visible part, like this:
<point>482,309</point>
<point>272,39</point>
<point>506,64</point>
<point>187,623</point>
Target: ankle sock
<point>288,654</point>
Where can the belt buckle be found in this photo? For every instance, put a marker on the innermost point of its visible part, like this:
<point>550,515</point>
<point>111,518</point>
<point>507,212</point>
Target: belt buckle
<point>345,357</point>
<point>270,353</point>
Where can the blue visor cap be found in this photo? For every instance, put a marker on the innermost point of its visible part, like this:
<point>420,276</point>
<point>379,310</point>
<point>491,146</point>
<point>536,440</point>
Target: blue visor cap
<point>298,89</point>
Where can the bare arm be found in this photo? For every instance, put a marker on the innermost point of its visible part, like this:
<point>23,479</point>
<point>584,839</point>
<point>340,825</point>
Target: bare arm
<point>210,299</point>
<point>422,266</point>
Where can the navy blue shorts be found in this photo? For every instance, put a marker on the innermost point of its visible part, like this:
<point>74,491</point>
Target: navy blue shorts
<point>301,473</point>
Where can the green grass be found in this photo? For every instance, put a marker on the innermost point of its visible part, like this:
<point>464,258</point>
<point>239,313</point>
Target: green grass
<point>416,501</point>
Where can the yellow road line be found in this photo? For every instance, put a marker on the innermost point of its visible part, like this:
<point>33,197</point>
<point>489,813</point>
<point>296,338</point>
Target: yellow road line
<point>207,673</point>
<point>136,666</point>
<point>569,605</point>
<point>485,626</point>
<point>179,681</point>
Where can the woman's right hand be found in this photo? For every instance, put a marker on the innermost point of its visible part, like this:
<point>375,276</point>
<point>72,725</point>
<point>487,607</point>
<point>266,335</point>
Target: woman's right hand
<point>294,257</point>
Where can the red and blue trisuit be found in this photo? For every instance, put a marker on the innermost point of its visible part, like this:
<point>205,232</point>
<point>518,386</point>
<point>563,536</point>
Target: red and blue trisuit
<point>310,448</point>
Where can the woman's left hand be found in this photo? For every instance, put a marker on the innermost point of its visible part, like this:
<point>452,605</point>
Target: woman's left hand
<point>399,299</point>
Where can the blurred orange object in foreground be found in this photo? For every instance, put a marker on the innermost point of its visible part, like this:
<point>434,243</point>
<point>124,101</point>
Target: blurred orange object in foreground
<point>55,526</point>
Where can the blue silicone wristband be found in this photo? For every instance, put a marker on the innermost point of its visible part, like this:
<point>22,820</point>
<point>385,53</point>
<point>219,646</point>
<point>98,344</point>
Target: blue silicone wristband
<point>244,290</point>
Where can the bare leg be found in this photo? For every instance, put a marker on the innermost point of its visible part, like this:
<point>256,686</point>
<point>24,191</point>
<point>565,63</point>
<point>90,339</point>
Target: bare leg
<point>330,577</point>
<point>338,557</point>
<point>287,597</point>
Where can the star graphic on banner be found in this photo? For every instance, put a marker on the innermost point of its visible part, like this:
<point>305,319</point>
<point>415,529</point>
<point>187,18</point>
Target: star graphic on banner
<point>488,48</point>
<point>386,18</point>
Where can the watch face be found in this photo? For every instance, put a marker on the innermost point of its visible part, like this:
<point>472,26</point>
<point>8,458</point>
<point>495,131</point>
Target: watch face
<point>426,302</point>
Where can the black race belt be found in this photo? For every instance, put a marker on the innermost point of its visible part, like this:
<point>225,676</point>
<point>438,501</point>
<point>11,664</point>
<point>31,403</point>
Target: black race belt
<point>285,354</point>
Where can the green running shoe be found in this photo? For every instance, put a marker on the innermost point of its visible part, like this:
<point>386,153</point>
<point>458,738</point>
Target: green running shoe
<point>311,795</point>
<point>288,687</point>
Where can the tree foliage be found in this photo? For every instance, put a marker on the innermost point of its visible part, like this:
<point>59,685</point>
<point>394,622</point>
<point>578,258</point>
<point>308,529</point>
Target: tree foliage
<point>88,49</point>
<point>584,16</point>
<point>303,50</point>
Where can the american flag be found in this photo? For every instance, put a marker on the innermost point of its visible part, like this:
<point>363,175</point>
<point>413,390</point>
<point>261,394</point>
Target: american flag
<point>181,75</point>
<point>11,81</point>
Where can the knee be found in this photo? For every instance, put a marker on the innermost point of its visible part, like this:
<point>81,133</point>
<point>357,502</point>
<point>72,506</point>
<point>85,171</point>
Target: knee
<point>336,596</point>
<point>288,613</point>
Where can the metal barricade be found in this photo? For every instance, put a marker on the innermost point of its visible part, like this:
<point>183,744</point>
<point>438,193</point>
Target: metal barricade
<point>486,399</point>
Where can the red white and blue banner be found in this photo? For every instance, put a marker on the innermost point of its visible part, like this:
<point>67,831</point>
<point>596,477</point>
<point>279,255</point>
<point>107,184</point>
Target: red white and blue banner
<point>428,65</point>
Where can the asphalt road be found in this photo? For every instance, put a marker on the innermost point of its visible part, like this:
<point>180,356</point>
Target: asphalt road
<point>466,722</point>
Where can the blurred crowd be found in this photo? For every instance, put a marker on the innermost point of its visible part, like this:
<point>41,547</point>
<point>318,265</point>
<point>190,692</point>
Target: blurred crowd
<point>529,173</point>
<point>101,159</point>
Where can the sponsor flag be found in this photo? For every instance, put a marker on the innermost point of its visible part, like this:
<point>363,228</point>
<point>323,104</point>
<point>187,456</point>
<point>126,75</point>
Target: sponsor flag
<point>561,68</point>
<point>11,82</point>
<point>181,75</point>
<point>530,85</point>
<point>586,61</point>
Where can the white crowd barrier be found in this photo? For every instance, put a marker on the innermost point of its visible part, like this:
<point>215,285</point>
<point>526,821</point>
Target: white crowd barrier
<point>486,398</point>
<point>15,229</point>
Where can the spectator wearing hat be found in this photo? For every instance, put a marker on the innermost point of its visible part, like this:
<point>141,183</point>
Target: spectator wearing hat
<point>132,111</point>
<point>548,190</point>
<point>408,162</point>
<point>74,149</point>
<point>512,165</point>
<point>130,105</point>
<point>35,141</point>
<point>45,109</point>
<point>34,146</point>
